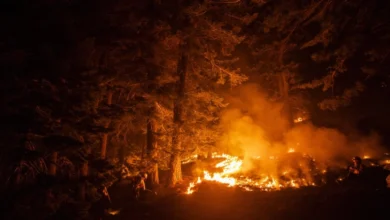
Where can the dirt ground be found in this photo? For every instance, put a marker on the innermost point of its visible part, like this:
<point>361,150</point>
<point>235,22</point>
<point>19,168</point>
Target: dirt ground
<point>215,201</point>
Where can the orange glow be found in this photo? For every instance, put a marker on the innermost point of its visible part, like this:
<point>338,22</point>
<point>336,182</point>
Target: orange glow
<point>190,188</point>
<point>266,153</point>
<point>291,150</point>
<point>299,119</point>
<point>232,165</point>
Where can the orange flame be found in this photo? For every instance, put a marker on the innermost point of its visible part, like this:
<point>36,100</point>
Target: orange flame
<point>232,165</point>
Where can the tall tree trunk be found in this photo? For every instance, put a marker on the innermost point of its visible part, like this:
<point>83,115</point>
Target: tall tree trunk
<point>104,139</point>
<point>53,164</point>
<point>284,91</point>
<point>84,172</point>
<point>85,165</point>
<point>284,86</point>
<point>175,161</point>
<point>84,168</point>
<point>151,147</point>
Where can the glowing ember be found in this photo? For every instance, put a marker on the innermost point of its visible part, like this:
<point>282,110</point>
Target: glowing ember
<point>112,212</point>
<point>299,119</point>
<point>291,150</point>
<point>232,165</point>
<point>366,157</point>
<point>190,188</point>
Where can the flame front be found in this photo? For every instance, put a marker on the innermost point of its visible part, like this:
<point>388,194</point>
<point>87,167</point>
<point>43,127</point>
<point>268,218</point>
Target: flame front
<point>232,165</point>
<point>190,188</point>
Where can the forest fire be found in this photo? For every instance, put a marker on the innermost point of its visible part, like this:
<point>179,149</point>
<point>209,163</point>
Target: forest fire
<point>232,175</point>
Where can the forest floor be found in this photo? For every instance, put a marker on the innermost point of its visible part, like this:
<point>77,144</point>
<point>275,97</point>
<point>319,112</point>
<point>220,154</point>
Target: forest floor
<point>216,201</point>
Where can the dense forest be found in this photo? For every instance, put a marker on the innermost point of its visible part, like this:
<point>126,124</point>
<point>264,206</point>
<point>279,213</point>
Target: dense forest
<point>94,91</point>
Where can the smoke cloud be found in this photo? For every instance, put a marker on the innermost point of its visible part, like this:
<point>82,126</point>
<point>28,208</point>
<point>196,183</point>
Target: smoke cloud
<point>255,127</point>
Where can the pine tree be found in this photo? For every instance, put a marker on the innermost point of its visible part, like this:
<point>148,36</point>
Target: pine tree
<point>336,35</point>
<point>196,54</point>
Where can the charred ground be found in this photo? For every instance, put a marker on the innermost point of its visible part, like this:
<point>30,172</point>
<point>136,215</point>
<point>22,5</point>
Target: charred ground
<point>215,201</point>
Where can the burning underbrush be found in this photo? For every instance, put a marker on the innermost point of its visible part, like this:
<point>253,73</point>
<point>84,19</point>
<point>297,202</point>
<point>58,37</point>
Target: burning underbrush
<point>290,170</point>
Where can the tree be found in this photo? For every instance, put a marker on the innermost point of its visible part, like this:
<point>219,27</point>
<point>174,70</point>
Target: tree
<point>351,32</point>
<point>197,48</point>
<point>335,35</point>
<point>58,91</point>
<point>152,149</point>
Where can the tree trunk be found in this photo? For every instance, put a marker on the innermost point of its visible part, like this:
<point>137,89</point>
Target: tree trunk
<point>82,189</point>
<point>284,91</point>
<point>284,86</point>
<point>175,174</point>
<point>84,172</point>
<point>151,147</point>
<point>104,139</point>
<point>209,154</point>
<point>154,177</point>
<point>53,164</point>
<point>104,145</point>
<point>85,166</point>
<point>175,161</point>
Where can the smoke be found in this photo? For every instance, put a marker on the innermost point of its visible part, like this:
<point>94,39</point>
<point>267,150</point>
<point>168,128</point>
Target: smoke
<point>331,146</point>
<point>255,127</point>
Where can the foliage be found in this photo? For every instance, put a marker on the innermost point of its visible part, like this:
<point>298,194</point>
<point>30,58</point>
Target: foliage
<point>209,43</point>
<point>336,35</point>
